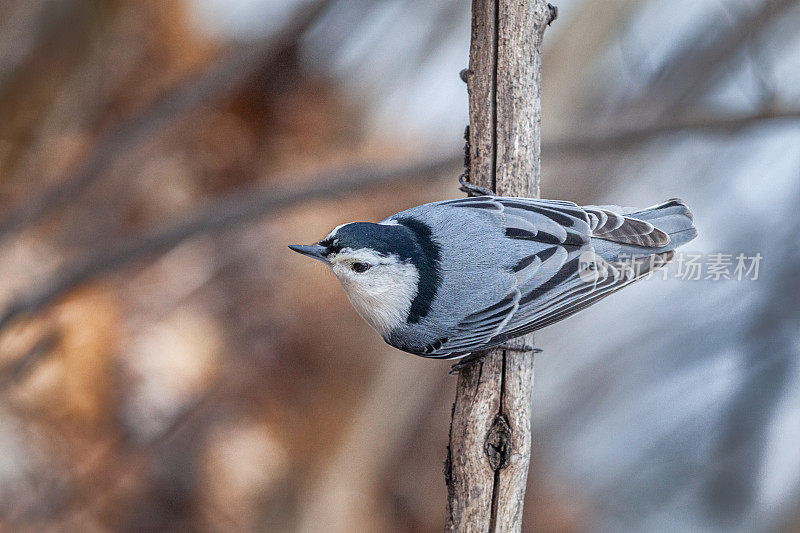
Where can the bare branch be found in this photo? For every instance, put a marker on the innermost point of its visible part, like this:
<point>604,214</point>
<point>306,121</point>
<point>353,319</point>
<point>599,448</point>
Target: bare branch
<point>228,211</point>
<point>630,137</point>
<point>490,433</point>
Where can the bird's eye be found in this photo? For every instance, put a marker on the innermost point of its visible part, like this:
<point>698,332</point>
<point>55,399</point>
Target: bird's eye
<point>361,267</point>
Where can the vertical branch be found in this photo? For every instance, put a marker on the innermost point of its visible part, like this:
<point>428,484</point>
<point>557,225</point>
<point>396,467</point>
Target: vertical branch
<point>490,432</point>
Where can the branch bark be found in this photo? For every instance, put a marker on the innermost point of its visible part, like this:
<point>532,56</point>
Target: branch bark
<point>490,433</point>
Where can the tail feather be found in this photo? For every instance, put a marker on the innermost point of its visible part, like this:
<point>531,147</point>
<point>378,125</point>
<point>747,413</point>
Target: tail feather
<point>671,217</point>
<point>610,225</point>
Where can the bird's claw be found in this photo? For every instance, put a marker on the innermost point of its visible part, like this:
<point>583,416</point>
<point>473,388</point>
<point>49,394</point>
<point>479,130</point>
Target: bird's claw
<point>473,190</point>
<point>476,357</point>
<point>467,361</point>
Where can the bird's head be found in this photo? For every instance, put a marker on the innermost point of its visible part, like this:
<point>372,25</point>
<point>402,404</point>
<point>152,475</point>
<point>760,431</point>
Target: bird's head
<point>376,264</point>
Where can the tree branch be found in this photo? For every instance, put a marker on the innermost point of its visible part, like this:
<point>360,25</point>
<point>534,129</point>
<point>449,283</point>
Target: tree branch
<point>490,433</point>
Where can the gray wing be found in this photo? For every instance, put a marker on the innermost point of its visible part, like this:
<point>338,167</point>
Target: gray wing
<point>561,278</point>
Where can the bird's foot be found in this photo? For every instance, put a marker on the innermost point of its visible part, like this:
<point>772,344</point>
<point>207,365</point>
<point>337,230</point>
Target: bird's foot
<point>473,358</point>
<point>473,190</point>
<point>553,13</point>
<point>466,361</point>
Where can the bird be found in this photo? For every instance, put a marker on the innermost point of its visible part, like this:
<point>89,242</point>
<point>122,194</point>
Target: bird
<point>456,277</point>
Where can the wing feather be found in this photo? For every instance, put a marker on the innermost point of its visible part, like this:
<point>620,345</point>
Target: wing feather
<point>548,221</point>
<point>553,283</point>
<point>618,276</point>
<point>478,328</point>
<point>560,296</point>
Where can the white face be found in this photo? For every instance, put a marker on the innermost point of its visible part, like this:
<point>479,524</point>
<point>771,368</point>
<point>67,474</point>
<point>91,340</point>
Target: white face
<point>380,288</point>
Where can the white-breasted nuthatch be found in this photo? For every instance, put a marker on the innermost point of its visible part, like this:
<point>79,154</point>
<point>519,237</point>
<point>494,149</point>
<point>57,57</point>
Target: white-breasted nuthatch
<point>449,278</point>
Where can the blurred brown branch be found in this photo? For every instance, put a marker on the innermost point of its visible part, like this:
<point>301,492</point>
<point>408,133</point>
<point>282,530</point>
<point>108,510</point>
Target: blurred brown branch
<point>19,368</point>
<point>232,209</point>
<point>612,140</point>
<point>219,81</point>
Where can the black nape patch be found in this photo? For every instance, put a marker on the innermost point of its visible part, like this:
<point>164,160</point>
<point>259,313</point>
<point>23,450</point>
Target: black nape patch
<point>427,259</point>
<point>386,240</point>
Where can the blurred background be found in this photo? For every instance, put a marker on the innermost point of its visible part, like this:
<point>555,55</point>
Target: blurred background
<point>167,364</point>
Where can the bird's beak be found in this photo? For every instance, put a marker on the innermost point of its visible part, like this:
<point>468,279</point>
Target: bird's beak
<point>316,251</point>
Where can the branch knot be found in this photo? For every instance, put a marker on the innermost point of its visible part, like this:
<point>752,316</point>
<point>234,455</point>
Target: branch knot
<point>498,443</point>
